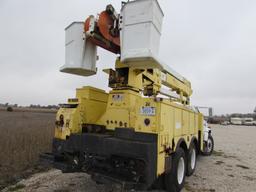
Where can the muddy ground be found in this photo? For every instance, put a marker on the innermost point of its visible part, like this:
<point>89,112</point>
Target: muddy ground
<point>230,169</point>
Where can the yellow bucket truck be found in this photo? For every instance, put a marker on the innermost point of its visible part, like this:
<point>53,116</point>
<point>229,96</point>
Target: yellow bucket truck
<point>142,134</point>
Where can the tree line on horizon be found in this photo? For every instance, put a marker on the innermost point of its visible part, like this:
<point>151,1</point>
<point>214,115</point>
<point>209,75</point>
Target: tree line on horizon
<point>30,106</point>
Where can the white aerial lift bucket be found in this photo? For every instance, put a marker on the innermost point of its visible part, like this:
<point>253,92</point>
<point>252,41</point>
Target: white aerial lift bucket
<point>141,27</point>
<point>80,54</point>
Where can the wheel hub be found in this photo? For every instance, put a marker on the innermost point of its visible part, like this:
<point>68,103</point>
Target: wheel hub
<point>193,159</point>
<point>181,170</point>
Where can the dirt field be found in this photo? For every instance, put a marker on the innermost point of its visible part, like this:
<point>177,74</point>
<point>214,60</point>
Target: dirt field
<point>230,169</point>
<point>23,136</point>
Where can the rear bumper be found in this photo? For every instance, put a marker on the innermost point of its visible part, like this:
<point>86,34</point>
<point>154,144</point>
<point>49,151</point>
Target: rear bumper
<point>124,156</point>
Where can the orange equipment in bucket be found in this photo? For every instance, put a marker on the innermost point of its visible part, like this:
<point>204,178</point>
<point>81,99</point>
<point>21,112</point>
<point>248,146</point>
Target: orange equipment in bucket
<point>104,31</point>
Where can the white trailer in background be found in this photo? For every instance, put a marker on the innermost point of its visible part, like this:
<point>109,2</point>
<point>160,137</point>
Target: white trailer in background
<point>236,121</point>
<point>248,121</point>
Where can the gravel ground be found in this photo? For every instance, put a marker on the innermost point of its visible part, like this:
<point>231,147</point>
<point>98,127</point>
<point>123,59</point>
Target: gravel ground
<point>230,169</point>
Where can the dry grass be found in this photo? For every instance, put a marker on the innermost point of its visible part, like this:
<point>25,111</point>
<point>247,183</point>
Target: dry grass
<point>28,109</point>
<point>23,136</point>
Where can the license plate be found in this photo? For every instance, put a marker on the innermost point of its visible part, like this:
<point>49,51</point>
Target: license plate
<point>148,111</point>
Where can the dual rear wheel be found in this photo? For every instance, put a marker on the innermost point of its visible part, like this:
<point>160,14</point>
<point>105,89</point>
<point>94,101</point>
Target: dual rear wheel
<point>192,157</point>
<point>182,165</point>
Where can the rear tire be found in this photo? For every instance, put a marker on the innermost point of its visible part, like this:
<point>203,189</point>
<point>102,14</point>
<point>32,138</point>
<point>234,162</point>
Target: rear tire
<point>192,159</point>
<point>175,179</point>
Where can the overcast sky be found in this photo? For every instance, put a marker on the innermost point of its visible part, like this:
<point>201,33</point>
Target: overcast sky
<point>210,42</point>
